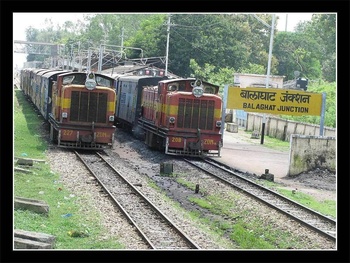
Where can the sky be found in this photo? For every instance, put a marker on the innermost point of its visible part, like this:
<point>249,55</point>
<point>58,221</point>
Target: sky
<point>21,21</point>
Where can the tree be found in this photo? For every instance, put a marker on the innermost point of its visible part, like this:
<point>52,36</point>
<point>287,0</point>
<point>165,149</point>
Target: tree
<point>293,52</point>
<point>151,37</point>
<point>322,30</point>
<point>237,41</point>
<point>224,40</point>
<point>211,74</point>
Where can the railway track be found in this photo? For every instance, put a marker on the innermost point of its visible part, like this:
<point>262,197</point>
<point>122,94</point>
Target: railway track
<point>315,221</point>
<point>158,231</point>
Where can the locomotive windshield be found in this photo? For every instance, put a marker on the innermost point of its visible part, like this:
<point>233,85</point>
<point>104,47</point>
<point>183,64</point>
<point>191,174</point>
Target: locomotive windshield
<point>103,81</point>
<point>80,78</point>
<point>195,87</point>
<point>209,89</point>
<point>67,80</point>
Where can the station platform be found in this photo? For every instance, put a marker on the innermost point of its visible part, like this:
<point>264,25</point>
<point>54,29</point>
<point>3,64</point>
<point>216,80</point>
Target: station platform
<point>247,154</point>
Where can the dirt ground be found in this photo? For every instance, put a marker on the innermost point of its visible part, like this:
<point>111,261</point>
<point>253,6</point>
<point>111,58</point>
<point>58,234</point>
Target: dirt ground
<point>321,184</point>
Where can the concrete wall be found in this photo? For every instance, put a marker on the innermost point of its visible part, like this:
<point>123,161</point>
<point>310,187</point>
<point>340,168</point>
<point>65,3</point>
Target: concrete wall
<point>310,152</point>
<point>283,129</point>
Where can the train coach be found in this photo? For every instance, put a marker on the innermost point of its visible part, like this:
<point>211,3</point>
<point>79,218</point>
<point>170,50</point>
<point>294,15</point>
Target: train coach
<point>178,116</point>
<point>79,106</point>
<point>128,103</point>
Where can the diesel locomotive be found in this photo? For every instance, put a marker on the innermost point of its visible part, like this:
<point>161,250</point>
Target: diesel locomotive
<point>179,116</point>
<point>79,106</point>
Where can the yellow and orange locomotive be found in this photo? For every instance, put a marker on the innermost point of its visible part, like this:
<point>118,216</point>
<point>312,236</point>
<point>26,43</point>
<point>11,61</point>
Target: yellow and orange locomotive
<point>179,116</point>
<point>79,106</point>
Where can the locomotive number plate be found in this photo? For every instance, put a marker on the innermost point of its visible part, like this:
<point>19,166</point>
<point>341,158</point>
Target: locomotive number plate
<point>101,134</point>
<point>209,141</point>
<point>67,132</point>
<point>176,139</point>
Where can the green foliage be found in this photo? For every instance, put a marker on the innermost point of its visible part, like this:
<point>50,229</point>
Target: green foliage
<point>202,202</point>
<point>208,73</point>
<point>253,69</point>
<point>246,231</point>
<point>150,37</point>
<point>27,141</point>
<point>294,53</point>
<point>322,30</point>
<point>215,41</point>
<point>223,40</point>
<point>327,207</point>
<point>247,239</point>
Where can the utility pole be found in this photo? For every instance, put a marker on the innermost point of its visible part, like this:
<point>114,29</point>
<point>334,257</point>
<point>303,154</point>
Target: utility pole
<point>102,48</point>
<point>167,46</point>
<point>268,75</point>
<point>121,45</point>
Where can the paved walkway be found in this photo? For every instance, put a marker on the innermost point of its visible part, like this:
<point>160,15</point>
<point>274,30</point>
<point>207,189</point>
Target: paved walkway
<point>243,153</point>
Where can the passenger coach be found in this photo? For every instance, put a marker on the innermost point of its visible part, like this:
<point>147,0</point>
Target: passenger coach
<point>129,95</point>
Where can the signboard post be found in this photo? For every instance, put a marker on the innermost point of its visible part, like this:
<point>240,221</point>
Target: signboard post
<point>223,115</point>
<point>323,110</point>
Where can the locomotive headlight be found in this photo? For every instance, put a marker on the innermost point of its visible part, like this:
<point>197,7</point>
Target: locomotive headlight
<point>111,118</point>
<point>172,120</point>
<point>198,82</point>
<point>218,124</point>
<point>64,115</point>
<point>90,84</point>
<point>197,92</point>
<point>91,75</point>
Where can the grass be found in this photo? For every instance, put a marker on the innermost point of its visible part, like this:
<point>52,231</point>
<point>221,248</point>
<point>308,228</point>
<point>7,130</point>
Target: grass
<point>269,142</point>
<point>27,141</point>
<point>243,228</point>
<point>66,211</point>
<point>326,207</point>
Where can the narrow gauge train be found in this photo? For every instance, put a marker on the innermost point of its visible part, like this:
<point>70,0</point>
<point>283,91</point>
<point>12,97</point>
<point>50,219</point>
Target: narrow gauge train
<point>79,106</point>
<point>178,116</point>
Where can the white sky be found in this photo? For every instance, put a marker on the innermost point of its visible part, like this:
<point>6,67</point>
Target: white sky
<point>21,21</point>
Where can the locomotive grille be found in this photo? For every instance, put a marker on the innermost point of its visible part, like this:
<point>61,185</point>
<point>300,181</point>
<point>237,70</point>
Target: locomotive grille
<point>88,107</point>
<point>196,113</point>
